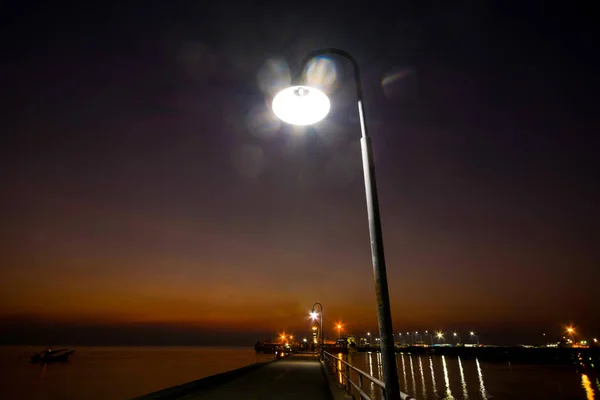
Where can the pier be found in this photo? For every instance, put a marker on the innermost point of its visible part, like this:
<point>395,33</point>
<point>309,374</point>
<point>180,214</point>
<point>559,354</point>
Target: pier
<point>306,376</point>
<point>298,376</point>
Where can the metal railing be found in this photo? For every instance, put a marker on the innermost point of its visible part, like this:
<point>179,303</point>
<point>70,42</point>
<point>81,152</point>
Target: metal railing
<point>341,367</point>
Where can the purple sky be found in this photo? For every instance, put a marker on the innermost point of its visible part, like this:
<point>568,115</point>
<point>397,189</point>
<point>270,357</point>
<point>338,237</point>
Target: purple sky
<point>146,184</point>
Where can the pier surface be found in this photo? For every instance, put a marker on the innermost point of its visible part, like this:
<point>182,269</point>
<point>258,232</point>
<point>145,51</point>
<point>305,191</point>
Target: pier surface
<point>299,376</point>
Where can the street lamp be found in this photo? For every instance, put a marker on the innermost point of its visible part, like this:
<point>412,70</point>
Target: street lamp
<point>457,336</point>
<point>303,105</point>
<point>313,315</point>
<point>440,336</point>
<point>571,332</point>
<point>472,334</point>
<point>339,328</point>
<point>430,337</point>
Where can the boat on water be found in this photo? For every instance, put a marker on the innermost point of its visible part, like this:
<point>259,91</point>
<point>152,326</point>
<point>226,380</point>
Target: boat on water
<point>49,356</point>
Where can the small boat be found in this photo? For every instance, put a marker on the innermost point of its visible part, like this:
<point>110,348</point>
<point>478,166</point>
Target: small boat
<point>49,356</point>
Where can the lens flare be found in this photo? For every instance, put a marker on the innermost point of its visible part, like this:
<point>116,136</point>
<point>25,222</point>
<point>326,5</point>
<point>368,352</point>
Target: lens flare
<point>274,76</point>
<point>321,73</point>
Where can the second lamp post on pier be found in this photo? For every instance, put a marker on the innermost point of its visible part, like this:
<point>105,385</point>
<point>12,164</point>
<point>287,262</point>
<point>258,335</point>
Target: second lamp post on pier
<point>313,315</point>
<point>303,105</point>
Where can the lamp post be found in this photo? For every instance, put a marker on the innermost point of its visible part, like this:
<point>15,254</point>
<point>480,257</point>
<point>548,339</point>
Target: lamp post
<point>313,315</point>
<point>473,335</point>
<point>302,105</point>
<point>457,336</point>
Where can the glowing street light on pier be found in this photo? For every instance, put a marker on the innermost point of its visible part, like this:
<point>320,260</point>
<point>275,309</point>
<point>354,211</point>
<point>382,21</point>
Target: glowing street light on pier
<point>304,105</point>
<point>314,315</point>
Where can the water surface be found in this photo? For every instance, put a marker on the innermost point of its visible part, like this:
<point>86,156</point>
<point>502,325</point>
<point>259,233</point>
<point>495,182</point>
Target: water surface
<point>438,377</point>
<point>114,372</point>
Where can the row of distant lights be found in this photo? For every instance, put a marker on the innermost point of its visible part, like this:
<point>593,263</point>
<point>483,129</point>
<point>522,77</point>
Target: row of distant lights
<point>439,335</point>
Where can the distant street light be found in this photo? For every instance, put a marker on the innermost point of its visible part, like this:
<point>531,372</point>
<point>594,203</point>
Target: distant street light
<point>303,105</point>
<point>339,328</point>
<point>313,315</point>
<point>440,336</point>
<point>472,334</point>
<point>457,336</point>
<point>571,332</point>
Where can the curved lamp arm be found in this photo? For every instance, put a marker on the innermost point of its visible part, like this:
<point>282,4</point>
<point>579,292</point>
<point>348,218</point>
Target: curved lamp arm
<point>355,68</point>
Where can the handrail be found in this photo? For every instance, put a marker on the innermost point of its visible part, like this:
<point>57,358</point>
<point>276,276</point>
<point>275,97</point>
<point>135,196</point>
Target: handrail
<point>349,383</point>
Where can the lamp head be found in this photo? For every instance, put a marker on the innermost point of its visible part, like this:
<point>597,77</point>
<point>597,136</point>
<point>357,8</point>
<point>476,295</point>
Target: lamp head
<point>301,105</point>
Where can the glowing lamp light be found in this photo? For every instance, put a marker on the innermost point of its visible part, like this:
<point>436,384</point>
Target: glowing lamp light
<point>301,105</point>
<point>313,315</point>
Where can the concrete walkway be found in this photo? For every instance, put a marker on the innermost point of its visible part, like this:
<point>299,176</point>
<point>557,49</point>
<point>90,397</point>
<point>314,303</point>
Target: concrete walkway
<point>297,377</point>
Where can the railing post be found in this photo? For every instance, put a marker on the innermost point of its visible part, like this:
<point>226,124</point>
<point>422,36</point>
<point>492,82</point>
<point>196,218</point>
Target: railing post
<point>348,387</point>
<point>383,394</point>
<point>360,383</point>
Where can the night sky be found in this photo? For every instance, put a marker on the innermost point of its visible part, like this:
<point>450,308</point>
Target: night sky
<point>150,196</point>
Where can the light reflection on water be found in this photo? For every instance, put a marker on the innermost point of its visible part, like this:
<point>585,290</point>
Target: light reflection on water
<point>587,386</point>
<point>339,368</point>
<point>404,370</point>
<point>433,382</point>
<point>412,374</point>
<point>481,385</point>
<point>372,385</point>
<point>474,379</point>
<point>448,391</point>
<point>462,380</point>
<point>423,387</point>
